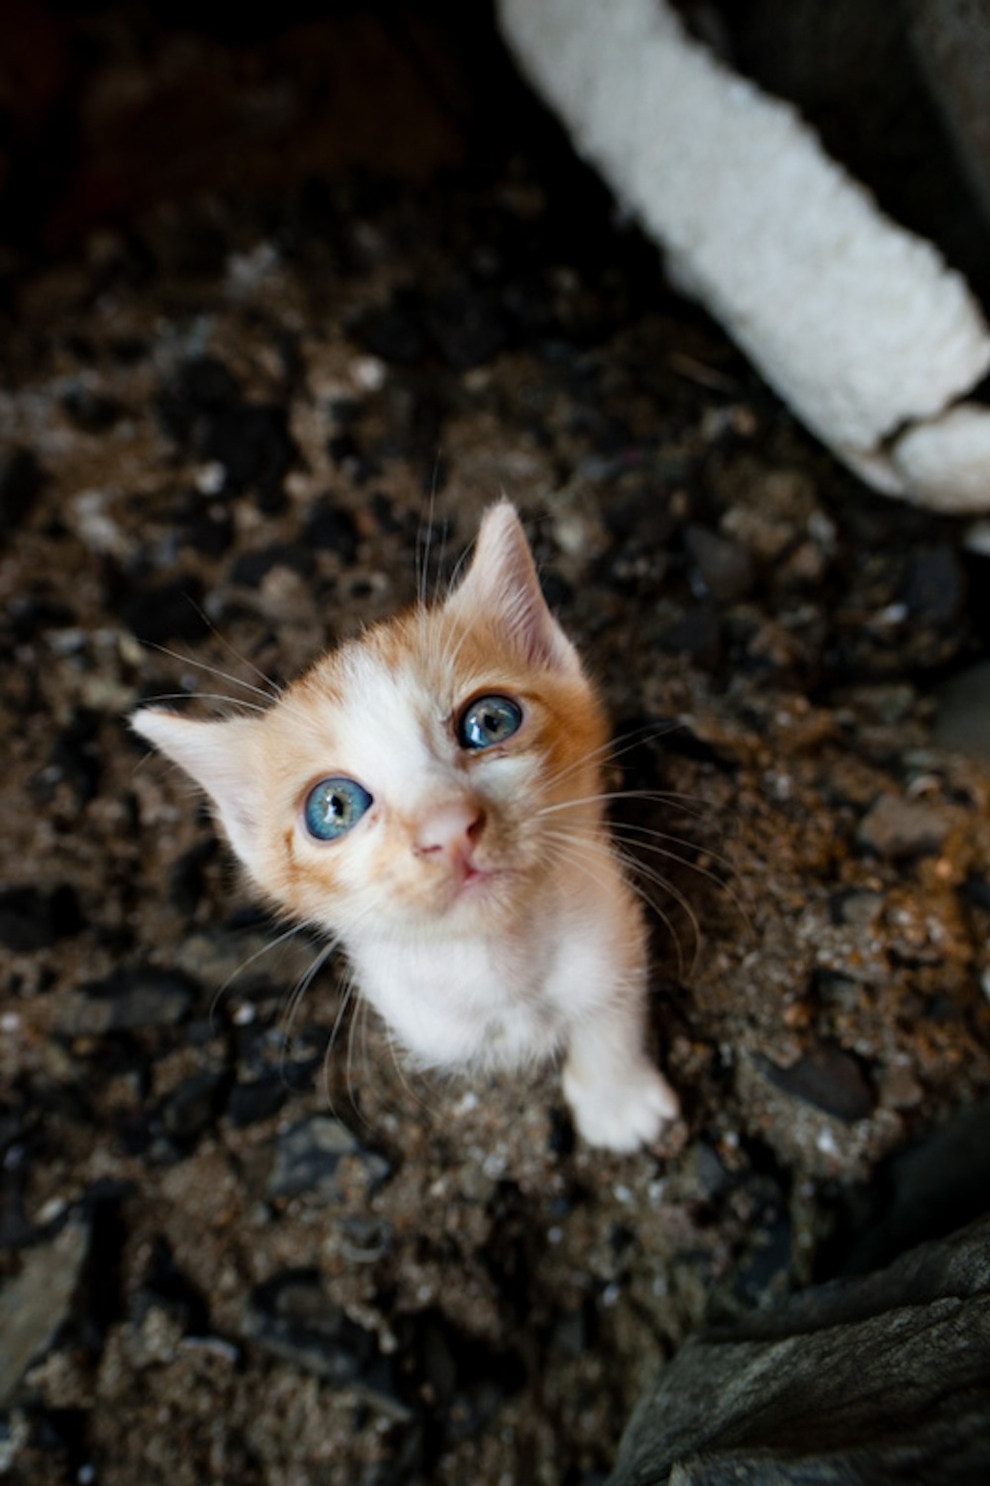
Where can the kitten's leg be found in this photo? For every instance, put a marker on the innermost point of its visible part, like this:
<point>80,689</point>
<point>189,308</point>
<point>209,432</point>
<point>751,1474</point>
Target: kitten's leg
<point>618,1099</point>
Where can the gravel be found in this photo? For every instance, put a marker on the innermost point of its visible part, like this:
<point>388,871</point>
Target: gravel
<point>305,1262</point>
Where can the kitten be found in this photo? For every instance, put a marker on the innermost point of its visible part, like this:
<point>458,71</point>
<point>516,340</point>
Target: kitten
<point>430,795</point>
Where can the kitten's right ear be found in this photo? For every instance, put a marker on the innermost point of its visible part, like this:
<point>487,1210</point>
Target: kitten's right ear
<point>220,757</point>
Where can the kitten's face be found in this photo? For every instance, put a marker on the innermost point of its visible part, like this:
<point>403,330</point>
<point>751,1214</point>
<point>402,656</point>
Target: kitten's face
<point>414,778</point>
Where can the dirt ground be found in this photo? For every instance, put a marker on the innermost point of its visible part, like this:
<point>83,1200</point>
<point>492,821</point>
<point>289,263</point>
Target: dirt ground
<point>239,1243</point>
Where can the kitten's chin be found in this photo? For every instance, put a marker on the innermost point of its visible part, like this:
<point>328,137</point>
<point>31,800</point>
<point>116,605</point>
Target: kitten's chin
<point>478,899</point>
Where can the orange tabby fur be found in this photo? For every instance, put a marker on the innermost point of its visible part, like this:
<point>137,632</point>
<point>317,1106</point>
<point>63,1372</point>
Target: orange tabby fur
<point>479,898</point>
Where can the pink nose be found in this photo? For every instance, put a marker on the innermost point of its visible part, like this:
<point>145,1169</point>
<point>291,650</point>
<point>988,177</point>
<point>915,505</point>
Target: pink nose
<point>453,828</point>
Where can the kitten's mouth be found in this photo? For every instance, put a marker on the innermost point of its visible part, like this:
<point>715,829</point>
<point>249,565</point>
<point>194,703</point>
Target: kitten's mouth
<point>475,881</point>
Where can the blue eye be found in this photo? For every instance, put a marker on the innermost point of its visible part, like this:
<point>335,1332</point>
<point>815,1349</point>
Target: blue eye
<point>333,807</point>
<point>488,721</point>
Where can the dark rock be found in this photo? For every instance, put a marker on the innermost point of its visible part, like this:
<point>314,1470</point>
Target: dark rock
<point>185,884</point>
<point>126,1001</point>
<point>193,1105</point>
<point>466,1378</point>
<point>173,610</point>
<point>726,569</point>
<point>882,1379</point>
<point>76,757</point>
<point>977,891</point>
<point>308,1154</point>
<point>27,616</point>
<point>935,586</point>
<point>395,332</point>
<point>899,829</point>
<point>264,1053</point>
<point>91,411</point>
<point>963,717</point>
<point>21,479</point>
<point>291,1317</point>
<point>467,326</point>
<point>203,410</point>
<point>201,388</point>
<point>770,1239</point>
<point>827,1077</point>
<point>252,568</point>
<point>166,1287</point>
<point>365,1240</point>
<point>206,523</point>
<point>951,44</point>
<point>255,1100</point>
<point>923,1192</point>
<point>332,528</point>
<point>253,443</point>
<point>32,919</point>
<point>697,635</point>
<point>15,1227</point>
<point>100,1302</point>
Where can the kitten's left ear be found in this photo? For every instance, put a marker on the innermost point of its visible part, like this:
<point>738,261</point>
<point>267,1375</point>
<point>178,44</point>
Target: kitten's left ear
<point>501,585</point>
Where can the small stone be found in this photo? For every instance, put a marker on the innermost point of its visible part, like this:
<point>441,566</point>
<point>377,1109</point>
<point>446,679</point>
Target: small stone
<point>256,1099</point>
<point>291,1317</point>
<point>725,567</point>
<point>935,588</point>
<point>90,411</point>
<point>21,479</point>
<point>192,1106</point>
<point>963,716</point>
<point>33,919</point>
<point>252,568</point>
<point>160,612</point>
<point>466,325</point>
<point>37,1301</point>
<point>856,907</point>
<point>125,1002</point>
<point>309,1153</point>
<point>395,332</point>
<point>827,1077</point>
<point>332,528</point>
<point>899,829</point>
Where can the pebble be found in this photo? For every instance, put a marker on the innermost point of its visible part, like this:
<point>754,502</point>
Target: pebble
<point>899,829</point>
<point>157,613</point>
<point>935,586</point>
<point>21,479</point>
<point>256,1099</point>
<point>35,1303</point>
<point>827,1077</point>
<point>125,1002</point>
<point>726,568</point>
<point>32,918</point>
<point>291,1317</point>
<point>308,1154</point>
<point>191,1107</point>
<point>963,712</point>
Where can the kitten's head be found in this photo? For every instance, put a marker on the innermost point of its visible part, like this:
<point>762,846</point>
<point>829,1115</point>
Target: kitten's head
<point>428,776</point>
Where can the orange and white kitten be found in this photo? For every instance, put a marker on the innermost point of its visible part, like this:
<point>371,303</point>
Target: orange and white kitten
<point>430,795</point>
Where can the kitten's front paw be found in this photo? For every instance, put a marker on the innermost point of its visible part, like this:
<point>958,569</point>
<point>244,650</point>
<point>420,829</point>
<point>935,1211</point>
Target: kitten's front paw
<point>621,1115</point>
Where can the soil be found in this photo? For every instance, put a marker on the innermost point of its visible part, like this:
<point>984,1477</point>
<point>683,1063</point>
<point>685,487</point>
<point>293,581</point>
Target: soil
<point>245,1244</point>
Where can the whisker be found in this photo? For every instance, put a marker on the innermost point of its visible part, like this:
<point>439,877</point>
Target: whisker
<point>638,837</point>
<point>204,696</point>
<point>267,948</point>
<point>270,692</point>
<point>300,988</point>
<point>572,849</point>
<point>614,748</point>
